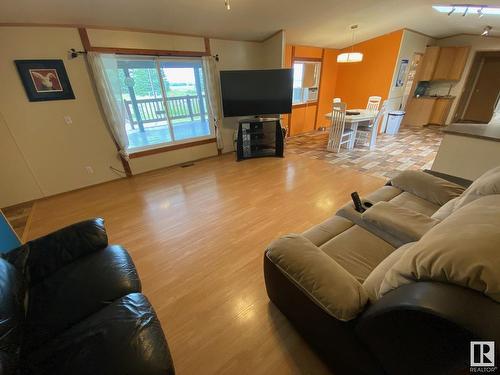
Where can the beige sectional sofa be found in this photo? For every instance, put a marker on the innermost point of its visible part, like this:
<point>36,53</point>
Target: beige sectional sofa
<point>401,288</point>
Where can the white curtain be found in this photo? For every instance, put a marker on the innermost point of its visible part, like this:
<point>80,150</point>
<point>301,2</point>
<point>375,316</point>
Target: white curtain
<point>213,97</point>
<point>105,71</point>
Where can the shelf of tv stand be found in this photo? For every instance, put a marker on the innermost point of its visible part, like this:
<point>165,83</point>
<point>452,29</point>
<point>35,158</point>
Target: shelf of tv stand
<point>259,137</point>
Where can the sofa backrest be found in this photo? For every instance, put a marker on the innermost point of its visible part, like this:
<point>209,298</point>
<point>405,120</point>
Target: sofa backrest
<point>462,250</point>
<point>487,184</point>
<point>12,293</point>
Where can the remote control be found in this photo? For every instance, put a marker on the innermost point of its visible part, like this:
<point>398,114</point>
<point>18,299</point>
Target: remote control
<point>357,202</point>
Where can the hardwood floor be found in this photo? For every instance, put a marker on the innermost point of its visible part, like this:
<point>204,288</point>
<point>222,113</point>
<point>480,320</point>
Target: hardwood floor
<point>197,236</point>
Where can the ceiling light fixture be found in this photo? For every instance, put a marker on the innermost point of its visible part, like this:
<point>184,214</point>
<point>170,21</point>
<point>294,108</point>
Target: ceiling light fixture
<point>486,31</point>
<point>464,9</point>
<point>351,57</point>
<point>226,3</point>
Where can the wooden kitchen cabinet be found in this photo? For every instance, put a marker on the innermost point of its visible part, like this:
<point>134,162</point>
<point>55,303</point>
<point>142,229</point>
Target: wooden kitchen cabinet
<point>451,63</point>
<point>428,64</point>
<point>440,111</point>
<point>419,111</point>
<point>444,64</point>
<point>458,67</point>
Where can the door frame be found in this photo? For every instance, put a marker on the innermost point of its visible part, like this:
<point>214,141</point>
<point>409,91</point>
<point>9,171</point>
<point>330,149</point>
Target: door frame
<point>470,82</point>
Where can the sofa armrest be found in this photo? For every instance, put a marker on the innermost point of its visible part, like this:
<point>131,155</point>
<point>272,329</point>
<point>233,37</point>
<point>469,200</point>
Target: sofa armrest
<point>41,257</point>
<point>404,224</point>
<point>427,186</point>
<point>327,283</point>
<point>426,327</point>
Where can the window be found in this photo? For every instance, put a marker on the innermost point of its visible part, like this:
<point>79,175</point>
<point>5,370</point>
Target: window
<point>305,81</point>
<point>165,100</point>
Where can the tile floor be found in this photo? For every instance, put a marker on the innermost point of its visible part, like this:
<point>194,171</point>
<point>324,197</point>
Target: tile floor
<point>411,148</point>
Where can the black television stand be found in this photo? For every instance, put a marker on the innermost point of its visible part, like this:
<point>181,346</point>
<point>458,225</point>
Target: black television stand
<point>259,137</point>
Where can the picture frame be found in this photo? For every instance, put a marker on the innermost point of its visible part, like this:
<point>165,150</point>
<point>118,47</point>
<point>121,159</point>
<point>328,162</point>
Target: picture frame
<point>44,80</point>
<point>403,67</point>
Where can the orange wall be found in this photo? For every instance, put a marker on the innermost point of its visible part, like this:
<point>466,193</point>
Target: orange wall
<point>308,52</point>
<point>329,73</point>
<point>373,76</point>
<point>308,117</point>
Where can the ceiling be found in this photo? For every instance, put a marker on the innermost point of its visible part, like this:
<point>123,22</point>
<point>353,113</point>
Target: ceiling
<point>322,23</point>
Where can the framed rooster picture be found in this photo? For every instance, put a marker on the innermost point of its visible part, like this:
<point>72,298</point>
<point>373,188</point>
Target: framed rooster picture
<point>44,80</point>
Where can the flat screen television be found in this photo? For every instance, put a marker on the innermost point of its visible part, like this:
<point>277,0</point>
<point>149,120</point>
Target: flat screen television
<point>256,92</point>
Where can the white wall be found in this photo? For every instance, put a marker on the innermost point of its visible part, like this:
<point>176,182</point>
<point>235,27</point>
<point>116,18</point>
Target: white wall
<point>477,43</point>
<point>40,154</point>
<point>411,43</point>
<point>273,51</point>
<point>236,55</point>
<point>142,40</point>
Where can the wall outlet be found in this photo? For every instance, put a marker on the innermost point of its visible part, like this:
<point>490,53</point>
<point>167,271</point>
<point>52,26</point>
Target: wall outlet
<point>89,169</point>
<point>68,120</point>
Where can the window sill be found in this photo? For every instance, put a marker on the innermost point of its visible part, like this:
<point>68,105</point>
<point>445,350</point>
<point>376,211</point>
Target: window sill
<point>178,146</point>
<point>298,105</point>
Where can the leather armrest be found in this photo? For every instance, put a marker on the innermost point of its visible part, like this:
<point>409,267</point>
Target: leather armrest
<point>402,223</point>
<point>427,186</point>
<point>426,327</point>
<point>465,307</point>
<point>327,283</point>
<point>41,257</point>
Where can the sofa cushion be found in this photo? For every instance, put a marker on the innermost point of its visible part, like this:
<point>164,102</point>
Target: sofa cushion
<point>374,280</point>
<point>385,193</point>
<point>427,186</point>
<point>327,283</point>
<point>463,250</point>
<point>76,291</point>
<point>321,233</point>
<point>486,184</point>
<point>446,210</point>
<point>404,224</point>
<point>357,251</point>
<point>415,203</point>
<point>125,337</point>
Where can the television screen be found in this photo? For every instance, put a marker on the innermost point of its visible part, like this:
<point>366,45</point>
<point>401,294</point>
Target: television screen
<point>256,92</point>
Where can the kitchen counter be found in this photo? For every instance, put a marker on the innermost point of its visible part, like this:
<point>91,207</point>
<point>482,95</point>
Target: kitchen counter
<point>483,131</point>
<point>468,150</point>
<point>428,109</point>
<point>435,97</point>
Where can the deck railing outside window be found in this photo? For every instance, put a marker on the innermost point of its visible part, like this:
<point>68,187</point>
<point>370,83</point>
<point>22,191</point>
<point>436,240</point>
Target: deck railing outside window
<point>152,110</point>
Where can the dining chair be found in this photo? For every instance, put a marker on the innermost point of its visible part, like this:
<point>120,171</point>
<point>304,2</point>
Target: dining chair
<point>370,130</point>
<point>373,103</point>
<point>339,135</point>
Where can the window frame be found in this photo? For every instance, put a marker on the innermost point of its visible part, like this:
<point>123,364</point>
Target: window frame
<point>318,64</point>
<point>173,143</point>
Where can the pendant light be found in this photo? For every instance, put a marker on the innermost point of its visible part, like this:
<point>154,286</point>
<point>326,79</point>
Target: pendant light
<point>351,57</point>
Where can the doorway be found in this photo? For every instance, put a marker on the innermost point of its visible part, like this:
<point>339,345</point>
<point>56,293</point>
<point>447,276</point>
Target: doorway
<point>482,90</point>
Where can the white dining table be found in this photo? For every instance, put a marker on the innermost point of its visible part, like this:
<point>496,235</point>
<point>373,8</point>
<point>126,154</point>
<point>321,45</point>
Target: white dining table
<point>352,121</point>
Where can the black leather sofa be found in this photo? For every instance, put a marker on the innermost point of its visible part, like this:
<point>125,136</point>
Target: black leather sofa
<point>72,304</point>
